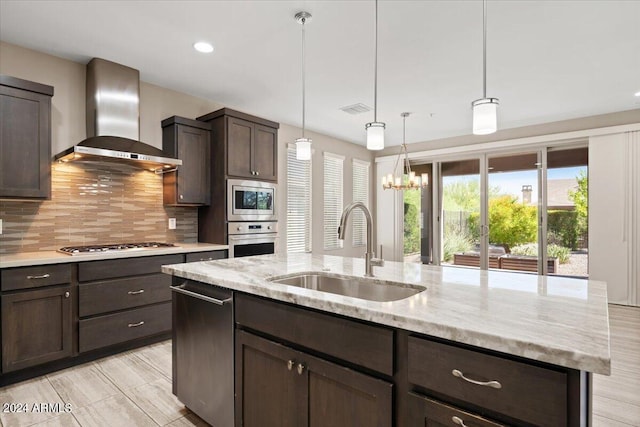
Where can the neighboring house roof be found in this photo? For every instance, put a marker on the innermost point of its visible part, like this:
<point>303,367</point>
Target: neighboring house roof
<point>558,193</point>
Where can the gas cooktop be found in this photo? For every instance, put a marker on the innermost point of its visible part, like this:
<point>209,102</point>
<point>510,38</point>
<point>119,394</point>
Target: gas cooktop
<point>114,247</point>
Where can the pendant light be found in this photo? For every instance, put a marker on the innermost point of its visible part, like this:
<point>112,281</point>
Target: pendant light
<point>406,179</point>
<point>485,112</point>
<point>375,129</point>
<point>303,145</point>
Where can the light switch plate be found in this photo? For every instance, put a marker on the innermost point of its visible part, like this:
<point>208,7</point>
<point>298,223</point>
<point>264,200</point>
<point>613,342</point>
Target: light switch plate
<point>172,223</point>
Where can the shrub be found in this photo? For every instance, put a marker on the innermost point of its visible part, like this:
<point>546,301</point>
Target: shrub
<point>531,249</point>
<point>455,242</point>
<point>411,229</point>
<point>511,223</point>
<point>564,225</point>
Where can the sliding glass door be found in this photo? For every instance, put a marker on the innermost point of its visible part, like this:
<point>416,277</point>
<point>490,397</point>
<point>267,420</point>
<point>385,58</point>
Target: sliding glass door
<point>513,219</point>
<point>517,211</point>
<point>460,213</point>
<point>567,212</point>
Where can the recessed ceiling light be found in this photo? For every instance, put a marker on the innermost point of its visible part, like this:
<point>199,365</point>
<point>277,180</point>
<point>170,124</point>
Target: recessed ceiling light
<point>203,47</point>
<point>637,93</point>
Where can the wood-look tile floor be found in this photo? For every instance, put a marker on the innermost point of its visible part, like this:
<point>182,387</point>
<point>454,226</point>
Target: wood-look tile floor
<point>616,398</point>
<point>134,388</point>
<point>126,390</point>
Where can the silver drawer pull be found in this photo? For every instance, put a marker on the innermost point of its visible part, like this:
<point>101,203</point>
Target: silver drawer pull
<point>290,364</point>
<point>135,325</point>
<point>492,384</point>
<point>300,368</point>
<point>40,276</point>
<point>136,292</point>
<point>458,421</point>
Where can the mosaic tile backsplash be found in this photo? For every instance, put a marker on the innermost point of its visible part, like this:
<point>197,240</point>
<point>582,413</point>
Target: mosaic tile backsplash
<point>98,203</point>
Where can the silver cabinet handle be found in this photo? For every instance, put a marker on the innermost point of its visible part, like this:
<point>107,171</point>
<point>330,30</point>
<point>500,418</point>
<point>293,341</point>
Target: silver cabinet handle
<point>257,173</point>
<point>67,294</point>
<point>180,289</point>
<point>300,368</point>
<point>290,364</point>
<point>135,325</point>
<point>136,292</point>
<point>39,276</point>
<point>492,384</point>
<point>458,421</point>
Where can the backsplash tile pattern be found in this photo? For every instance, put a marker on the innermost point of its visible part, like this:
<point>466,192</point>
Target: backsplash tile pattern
<point>98,203</point>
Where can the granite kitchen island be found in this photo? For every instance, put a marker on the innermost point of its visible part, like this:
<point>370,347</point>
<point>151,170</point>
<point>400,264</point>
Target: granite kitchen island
<point>490,347</point>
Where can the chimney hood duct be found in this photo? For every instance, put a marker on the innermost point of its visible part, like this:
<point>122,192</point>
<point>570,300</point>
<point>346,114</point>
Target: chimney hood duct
<point>113,120</point>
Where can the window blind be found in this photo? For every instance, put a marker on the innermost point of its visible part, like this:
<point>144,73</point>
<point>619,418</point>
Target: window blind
<point>360,178</point>
<point>333,165</point>
<point>298,203</point>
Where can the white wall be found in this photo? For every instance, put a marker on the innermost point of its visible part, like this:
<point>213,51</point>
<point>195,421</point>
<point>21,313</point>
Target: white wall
<point>321,143</point>
<point>614,214</point>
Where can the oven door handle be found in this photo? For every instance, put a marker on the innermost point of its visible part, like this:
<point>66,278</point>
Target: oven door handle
<point>249,239</point>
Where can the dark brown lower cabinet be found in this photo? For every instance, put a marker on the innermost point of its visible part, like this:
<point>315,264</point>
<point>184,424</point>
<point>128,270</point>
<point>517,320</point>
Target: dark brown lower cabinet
<point>36,327</point>
<point>426,412</point>
<point>279,386</point>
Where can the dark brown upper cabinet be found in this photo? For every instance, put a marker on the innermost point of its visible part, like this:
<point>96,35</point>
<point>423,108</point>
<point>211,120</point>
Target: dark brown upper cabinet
<point>25,139</point>
<point>190,141</point>
<point>243,146</point>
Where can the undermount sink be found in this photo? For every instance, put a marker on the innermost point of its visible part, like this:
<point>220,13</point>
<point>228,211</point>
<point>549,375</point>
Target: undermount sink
<point>371,289</point>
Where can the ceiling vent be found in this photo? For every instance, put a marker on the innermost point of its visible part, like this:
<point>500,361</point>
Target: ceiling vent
<point>356,109</point>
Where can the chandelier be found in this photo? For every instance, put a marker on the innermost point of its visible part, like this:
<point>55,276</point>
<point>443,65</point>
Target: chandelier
<point>406,179</point>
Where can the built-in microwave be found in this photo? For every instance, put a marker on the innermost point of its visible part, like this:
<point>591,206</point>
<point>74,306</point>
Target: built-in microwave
<point>251,200</point>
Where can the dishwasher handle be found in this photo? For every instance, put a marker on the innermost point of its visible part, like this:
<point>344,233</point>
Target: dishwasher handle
<point>180,289</point>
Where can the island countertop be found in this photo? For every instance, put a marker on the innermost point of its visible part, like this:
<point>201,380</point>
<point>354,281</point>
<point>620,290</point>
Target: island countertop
<point>557,320</point>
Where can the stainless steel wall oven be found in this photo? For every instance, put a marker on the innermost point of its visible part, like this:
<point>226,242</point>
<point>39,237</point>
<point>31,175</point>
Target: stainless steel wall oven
<point>252,238</point>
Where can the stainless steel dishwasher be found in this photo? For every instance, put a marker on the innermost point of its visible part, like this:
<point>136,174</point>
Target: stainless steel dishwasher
<point>203,351</point>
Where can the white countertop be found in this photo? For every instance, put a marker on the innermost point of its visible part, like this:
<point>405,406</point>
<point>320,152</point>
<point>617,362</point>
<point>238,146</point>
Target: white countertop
<point>25,259</point>
<point>557,320</point>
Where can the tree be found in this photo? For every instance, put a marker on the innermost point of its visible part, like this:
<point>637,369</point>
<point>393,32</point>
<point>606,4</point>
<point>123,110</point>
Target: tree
<point>464,195</point>
<point>580,199</point>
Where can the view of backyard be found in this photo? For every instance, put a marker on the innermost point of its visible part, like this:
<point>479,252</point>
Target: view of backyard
<point>512,218</point>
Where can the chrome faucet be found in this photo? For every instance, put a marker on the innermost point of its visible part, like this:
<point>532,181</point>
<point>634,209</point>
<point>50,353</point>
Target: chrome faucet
<point>369,260</point>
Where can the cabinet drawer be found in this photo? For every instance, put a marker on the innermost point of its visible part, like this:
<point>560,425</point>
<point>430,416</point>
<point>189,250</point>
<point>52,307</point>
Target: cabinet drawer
<point>113,268</point>
<point>206,256</point>
<point>111,329</point>
<point>425,412</point>
<point>529,393</point>
<point>355,342</point>
<point>119,294</point>
<point>35,277</point>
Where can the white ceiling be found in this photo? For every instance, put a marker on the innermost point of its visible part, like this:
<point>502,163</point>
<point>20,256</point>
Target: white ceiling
<point>547,60</point>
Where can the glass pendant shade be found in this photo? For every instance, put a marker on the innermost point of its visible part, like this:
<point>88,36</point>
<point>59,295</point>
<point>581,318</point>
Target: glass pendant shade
<point>375,135</point>
<point>485,116</point>
<point>303,149</point>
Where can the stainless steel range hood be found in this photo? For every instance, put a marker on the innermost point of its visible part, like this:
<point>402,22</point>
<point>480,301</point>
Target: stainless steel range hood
<point>113,120</point>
